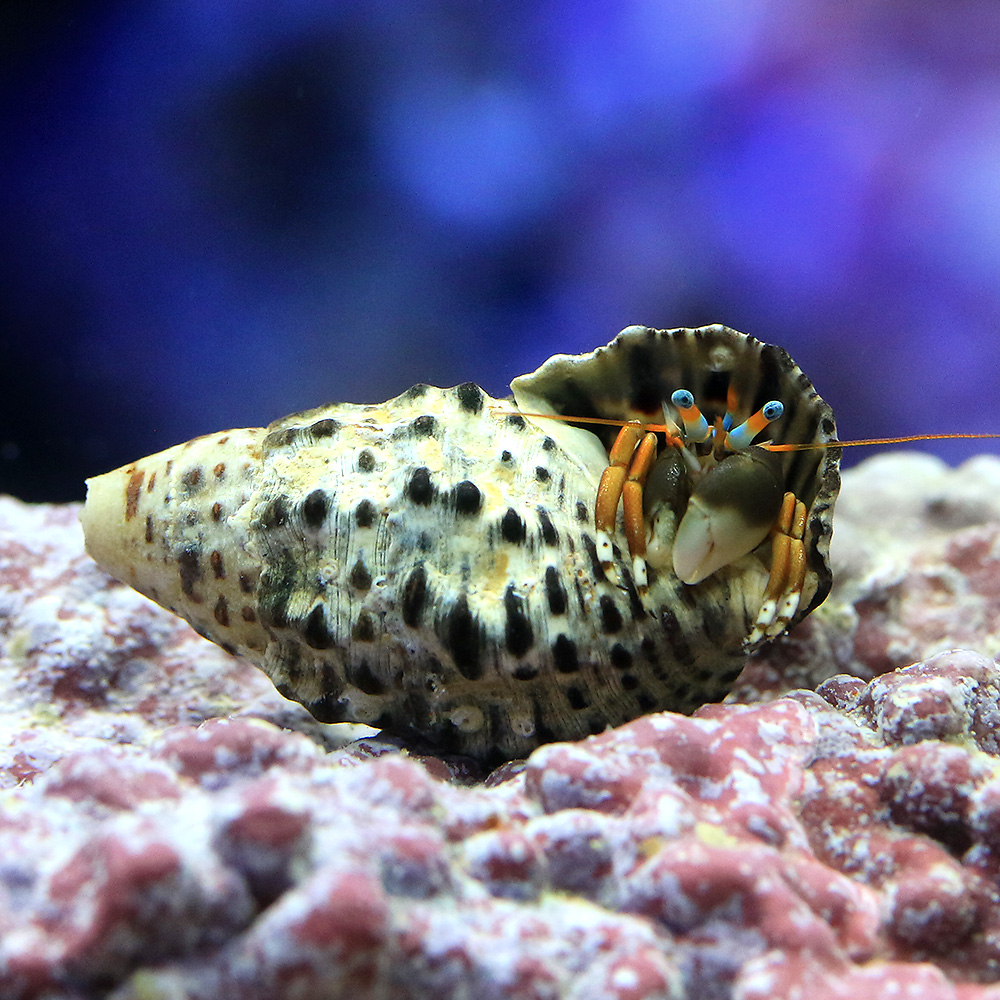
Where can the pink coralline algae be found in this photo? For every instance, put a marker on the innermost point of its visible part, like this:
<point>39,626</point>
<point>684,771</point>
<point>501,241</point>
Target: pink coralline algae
<point>171,828</point>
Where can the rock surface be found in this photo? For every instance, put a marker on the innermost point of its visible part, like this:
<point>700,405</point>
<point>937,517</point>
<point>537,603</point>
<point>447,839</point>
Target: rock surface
<point>171,828</point>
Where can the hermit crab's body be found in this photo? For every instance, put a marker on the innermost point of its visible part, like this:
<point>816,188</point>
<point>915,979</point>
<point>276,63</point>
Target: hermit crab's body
<point>430,565</point>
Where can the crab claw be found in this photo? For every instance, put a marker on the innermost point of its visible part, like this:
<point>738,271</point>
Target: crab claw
<point>729,514</point>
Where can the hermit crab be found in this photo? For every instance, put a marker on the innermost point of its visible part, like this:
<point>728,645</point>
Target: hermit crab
<point>481,576</point>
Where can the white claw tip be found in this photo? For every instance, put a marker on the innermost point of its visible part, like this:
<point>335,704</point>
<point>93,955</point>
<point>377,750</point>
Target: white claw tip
<point>639,572</point>
<point>604,551</point>
<point>788,607</point>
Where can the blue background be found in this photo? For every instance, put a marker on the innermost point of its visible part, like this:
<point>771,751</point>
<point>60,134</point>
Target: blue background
<point>216,212</point>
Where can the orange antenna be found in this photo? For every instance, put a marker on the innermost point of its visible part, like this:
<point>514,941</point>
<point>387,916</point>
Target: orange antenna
<point>812,445</point>
<point>605,421</point>
<point>770,445</point>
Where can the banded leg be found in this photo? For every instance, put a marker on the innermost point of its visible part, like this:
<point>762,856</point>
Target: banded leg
<point>609,491</point>
<point>631,457</point>
<point>788,572</point>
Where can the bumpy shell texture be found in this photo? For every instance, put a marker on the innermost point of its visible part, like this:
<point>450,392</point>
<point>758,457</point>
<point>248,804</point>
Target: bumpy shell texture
<point>428,565</point>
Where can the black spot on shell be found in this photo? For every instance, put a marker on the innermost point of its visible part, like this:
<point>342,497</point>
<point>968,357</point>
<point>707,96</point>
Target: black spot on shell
<point>555,591</point>
<point>364,628</point>
<point>646,702</point>
<point>544,733</point>
<point>506,457</point>
<point>826,426</point>
<point>221,611</point>
<point>596,567</point>
<point>629,682</point>
<point>149,527</point>
<point>679,645</point>
<point>716,383</point>
<point>576,698</point>
<point>281,439</point>
<point>329,708</point>
<point>314,509</point>
<point>646,396</point>
<point>515,420</point>
<point>621,658</point>
<point>424,426</point>
<point>217,563</point>
<point>324,428</point>
<point>275,514</point>
<point>364,514</point>
<point>582,512</point>
<point>518,633</point>
<point>525,672</point>
<point>542,474</point>
<point>414,596</point>
<point>714,622</point>
<point>415,391</point>
<point>360,578</point>
<point>468,498</point>
<point>361,676</point>
<point>549,534</point>
<point>317,629</point>
<point>419,489</point>
<point>275,590</point>
<point>635,604</point>
<point>216,511</point>
<point>549,444</point>
<point>512,528</point>
<point>189,563</point>
<point>366,460</point>
<point>470,397</point>
<point>564,655</point>
<point>611,617</point>
<point>463,640</point>
<point>247,583</point>
<point>191,480</point>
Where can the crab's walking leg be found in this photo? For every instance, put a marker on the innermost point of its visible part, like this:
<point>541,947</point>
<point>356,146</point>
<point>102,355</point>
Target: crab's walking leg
<point>788,571</point>
<point>609,491</point>
<point>635,525</point>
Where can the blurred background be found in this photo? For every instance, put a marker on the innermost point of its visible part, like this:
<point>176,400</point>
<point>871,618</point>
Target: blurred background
<point>216,212</point>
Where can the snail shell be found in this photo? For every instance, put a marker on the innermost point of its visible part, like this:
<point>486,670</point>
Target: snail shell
<point>428,565</point>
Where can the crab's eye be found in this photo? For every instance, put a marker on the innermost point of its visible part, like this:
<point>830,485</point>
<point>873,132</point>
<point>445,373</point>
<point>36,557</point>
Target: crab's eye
<point>729,514</point>
<point>740,438</point>
<point>696,427</point>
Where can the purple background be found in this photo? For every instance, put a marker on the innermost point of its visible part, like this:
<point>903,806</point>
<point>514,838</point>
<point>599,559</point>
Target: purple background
<point>220,211</point>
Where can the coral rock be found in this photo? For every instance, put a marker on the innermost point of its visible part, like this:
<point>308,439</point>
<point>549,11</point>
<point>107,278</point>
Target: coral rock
<point>170,828</point>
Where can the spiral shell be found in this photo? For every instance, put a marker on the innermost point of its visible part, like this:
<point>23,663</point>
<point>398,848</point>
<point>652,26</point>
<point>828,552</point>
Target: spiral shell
<point>428,566</point>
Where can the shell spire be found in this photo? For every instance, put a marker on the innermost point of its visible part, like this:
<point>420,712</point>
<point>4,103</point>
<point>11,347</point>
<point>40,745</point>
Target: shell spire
<point>175,526</point>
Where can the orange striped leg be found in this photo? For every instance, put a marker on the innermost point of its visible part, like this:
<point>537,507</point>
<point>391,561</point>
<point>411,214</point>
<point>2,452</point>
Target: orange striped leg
<point>610,489</point>
<point>788,572</point>
<point>635,524</point>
